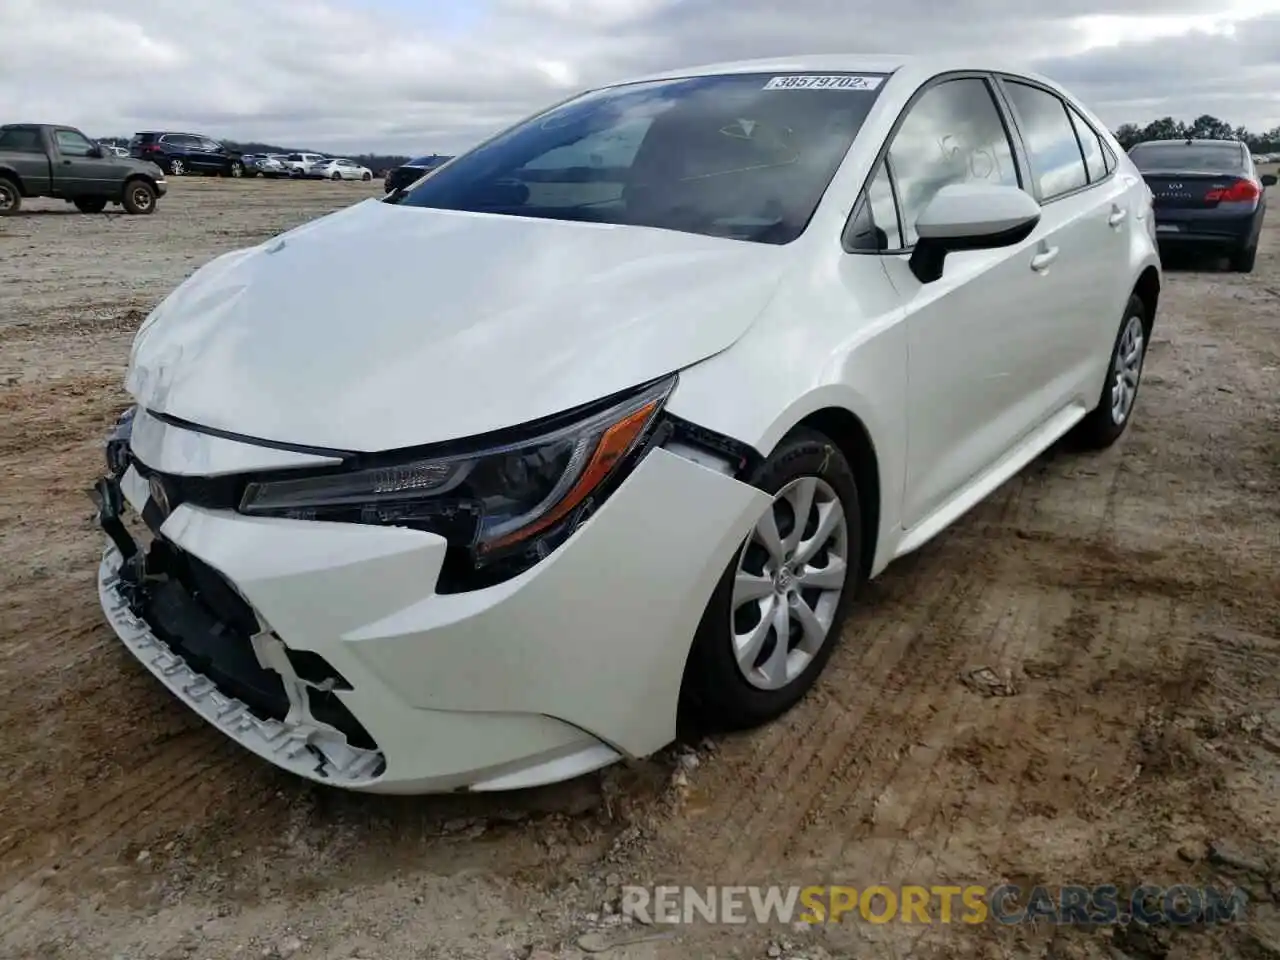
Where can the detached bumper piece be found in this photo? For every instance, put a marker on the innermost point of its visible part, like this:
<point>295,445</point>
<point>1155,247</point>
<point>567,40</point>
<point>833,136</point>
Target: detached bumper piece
<point>194,632</point>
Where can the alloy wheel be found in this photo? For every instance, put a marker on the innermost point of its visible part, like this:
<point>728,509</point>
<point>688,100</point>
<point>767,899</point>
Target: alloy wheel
<point>790,576</point>
<point>1126,369</point>
<point>177,167</point>
<point>8,196</point>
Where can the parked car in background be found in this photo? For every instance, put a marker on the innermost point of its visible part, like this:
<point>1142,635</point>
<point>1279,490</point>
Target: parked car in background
<point>114,150</point>
<point>415,169</point>
<point>1207,195</point>
<point>799,342</point>
<point>336,168</point>
<point>183,153</point>
<point>43,160</point>
<point>297,164</point>
<point>262,165</point>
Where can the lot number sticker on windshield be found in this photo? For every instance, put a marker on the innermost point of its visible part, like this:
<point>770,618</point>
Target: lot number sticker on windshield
<point>838,82</point>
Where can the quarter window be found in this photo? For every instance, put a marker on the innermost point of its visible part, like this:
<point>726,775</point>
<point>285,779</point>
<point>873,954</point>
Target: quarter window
<point>1054,152</point>
<point>952,134</point>
<point>1094,152</point>
<point>874,226</point>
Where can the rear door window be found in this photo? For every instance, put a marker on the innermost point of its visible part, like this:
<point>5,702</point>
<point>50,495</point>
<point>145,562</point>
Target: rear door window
<point>1052,148</point>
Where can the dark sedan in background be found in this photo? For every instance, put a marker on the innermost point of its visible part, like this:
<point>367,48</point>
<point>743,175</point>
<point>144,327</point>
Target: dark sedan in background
<point>411,171</point>
<point>1207,195</point>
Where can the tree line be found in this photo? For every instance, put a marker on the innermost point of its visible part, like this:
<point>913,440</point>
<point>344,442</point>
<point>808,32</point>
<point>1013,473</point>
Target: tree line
<point>1204,127</point>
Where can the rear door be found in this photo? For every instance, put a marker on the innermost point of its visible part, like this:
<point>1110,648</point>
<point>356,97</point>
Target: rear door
<point>1083,229</point>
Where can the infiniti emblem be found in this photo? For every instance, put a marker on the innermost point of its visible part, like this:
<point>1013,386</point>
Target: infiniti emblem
<point>784,580</point>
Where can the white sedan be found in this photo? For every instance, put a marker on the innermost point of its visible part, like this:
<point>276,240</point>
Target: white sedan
<point>627,405</point>
<point>339,169</point>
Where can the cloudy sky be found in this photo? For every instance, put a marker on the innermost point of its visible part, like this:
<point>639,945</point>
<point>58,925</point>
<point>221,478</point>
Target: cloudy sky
<point>418,76</point>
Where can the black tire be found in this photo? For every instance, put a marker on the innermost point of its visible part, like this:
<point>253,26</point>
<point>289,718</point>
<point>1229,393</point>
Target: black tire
<point>715,688</point>
<point>1242,260</point>
<point>367,177</point>
<point>176,167</point>
<point>10,197</point>
<point>91,204</point>
<point>1100,428</point>
<point>335,175</point>
<point>139,197</point>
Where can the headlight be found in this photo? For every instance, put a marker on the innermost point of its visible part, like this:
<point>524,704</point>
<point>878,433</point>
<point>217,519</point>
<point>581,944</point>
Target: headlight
<point>500,498</point>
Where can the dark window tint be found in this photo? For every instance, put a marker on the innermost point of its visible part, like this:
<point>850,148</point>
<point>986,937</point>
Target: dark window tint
<point>1094,153</point>
<point>744,156</point>
<point>1054,153</point>
<point>21,140</point>
<point>952,134</point>
<point>1178,156</point>
<point>72,144</point>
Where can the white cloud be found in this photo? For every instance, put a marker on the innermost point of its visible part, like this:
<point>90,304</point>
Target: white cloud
<point>398,75</point>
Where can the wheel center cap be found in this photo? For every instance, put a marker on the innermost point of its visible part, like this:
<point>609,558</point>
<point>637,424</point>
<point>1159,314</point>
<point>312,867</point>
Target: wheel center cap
<point>784,580</point>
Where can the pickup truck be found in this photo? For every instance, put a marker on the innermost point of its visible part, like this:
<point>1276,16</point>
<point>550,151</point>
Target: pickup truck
<point>47,160</point>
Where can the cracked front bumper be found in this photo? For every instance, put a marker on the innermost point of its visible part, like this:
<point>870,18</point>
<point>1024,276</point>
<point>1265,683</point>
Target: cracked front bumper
<point>564,669</point>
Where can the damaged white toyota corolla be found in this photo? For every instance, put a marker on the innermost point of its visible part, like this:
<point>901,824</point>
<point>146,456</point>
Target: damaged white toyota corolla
<point>474,486</point>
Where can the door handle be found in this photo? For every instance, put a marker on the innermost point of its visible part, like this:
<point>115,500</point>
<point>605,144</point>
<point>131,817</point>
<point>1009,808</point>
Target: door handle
<point>1040,262</point>
<point>1117,216</point>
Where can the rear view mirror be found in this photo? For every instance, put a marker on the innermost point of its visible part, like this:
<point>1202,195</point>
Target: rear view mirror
<point>1268,179</point>
<point>970,216</point>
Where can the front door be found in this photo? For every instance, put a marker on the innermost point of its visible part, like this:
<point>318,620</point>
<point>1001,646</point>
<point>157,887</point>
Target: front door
<point>79,173</point>
<point>975,336</point>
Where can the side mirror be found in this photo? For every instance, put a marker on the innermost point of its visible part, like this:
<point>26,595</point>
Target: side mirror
<point>970,216</point>
<point>1268,179</point>
<point>97,153</point>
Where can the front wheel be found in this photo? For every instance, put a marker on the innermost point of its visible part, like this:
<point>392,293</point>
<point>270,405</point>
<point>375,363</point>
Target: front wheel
<point>366,176</point>
<point>177,167</point>
<point>235,169</point>
<point>1103,427</point>
<point>139,197</point>
<point>776,614</point>
<point>335,175</point>
<point>91,204</point>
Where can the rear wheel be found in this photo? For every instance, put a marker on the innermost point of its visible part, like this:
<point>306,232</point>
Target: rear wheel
<point>335,175</point>
<point>139,197</point>
<point>235,169</point>
<point>366,176</point>
<point>776,614</point>
<point>10,198</point>
<point>1242,260</point>
<point>91,204</point>
<point>1103,426</point>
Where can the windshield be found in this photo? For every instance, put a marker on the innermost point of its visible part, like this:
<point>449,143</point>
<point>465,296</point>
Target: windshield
<point>746,156</point>
<point>1180,157</point>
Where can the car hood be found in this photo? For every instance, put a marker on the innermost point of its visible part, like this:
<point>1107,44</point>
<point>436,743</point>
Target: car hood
<point>383,326</point>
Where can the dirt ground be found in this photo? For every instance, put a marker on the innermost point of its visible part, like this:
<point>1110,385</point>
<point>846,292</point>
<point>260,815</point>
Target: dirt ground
<point>1132,597</point>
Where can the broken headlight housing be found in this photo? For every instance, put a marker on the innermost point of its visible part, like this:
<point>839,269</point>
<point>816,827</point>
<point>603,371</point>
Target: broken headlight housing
<point>512,497</point>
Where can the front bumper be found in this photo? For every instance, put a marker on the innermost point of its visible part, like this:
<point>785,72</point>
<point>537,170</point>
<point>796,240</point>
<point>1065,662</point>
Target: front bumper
<point>569,666</point>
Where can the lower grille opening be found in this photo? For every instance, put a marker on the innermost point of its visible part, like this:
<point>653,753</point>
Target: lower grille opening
<point>201,618</point>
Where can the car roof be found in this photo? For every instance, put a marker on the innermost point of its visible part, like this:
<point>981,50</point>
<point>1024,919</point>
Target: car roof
<point>917,68</point>
<point>1191,142</point>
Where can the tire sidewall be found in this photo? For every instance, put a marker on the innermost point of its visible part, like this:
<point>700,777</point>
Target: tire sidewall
<point>128,202</point>
<point>13,195</point>
<point>1134,307</point>
<point>714,682</point>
